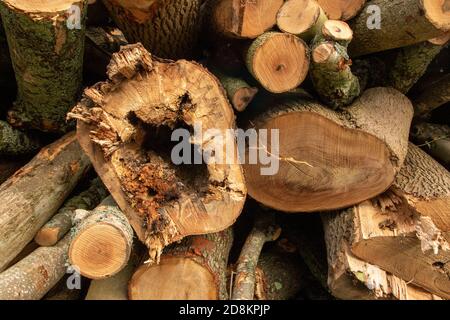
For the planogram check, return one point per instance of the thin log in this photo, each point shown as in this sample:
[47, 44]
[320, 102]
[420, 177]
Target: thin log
[46, 42]
[436, 94]
[35, 192]
[57, 227]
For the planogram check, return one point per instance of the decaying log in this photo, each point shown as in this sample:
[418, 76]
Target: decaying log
[14, 142]
[194, 269]
[350, 278]
[279, 61]
[435, 140]
[64, 219]
[35, 192]
[330, 159]
[264, 230]
[436, 94]
[401, 23]
[330, 68]
[46, 42]
[303, 18]
[120, 124]
[167, 28]
[101, 246]
[406, 230]
[244, 18]
[280, 275]
[341, 9]
[115, 287]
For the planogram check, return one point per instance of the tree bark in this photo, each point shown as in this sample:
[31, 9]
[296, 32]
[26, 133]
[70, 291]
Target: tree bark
[125, 133]
[341, 9]
[304, 18]
[202, 260]
[435, 140]
[46, 43]
[243, 19]
[102, 244]
[167, 28]
[279, 61]
[433, 96]
[35, 192]
[327, 159]
[65, 218]
[14, 142]
[263, 231]
[404, 231]
[330, 68]
[403, 23]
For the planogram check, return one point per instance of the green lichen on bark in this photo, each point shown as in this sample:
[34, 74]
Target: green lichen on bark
[14, 142]
[47, 58]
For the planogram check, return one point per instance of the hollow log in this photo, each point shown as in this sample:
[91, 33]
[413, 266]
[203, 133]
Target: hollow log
[244, 19]
[402, 23]
[304, 18]
[341, 9]
[65, 218]
[14, 142]
[279, 61]
[435, 140]
[436, 94]
[167, 28]
[24, 208]
[102, 244]
[194, 269]
[406, 230]
[328, 159]
[330, 73]
[123, 127]
[264, 230]
[46, 42]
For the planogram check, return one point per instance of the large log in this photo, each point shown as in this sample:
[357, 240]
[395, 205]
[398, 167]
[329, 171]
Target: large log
[46, 42]
[167, 28]
[194, 269]
[243, 18]
[65, 218]
[102, 243]
[279, 61]
[403, 23]
[406, 230]
[35, 192]
[329, 159]
[124, 126]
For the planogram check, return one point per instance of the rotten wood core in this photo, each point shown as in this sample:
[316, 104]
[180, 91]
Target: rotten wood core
[125, 126]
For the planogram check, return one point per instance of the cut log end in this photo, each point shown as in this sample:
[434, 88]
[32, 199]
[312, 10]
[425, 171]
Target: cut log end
[41, 6]
[279, 61]
[341, 9]
[337, 30]
[323, 52]
[175, 279]
[438, 12]
[297, 16]
[48, 236]
[243, 97]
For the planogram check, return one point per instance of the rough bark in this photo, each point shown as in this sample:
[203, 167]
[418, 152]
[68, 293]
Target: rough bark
[304, 18]
[202, 260]
[14, 142]
[46, 42]
[403, 23]
[65, 218]
[406, 230]
[436, 94]
[35, 192]
[341, 9]
[124, 127]
[329, 159]
[101, 246]
[264, 230]
[330, 73]
[279, 61]
[434, 139]
[167, 28]
[243, 18]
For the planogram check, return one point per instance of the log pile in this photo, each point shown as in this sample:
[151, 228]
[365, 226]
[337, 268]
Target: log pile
[224, 149]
